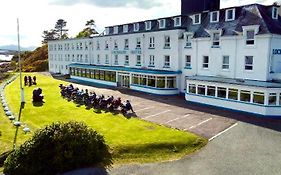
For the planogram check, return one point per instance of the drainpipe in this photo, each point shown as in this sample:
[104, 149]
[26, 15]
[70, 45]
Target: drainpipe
[235, 58]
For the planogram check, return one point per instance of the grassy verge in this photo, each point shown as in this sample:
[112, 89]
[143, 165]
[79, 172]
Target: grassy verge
[131, 140]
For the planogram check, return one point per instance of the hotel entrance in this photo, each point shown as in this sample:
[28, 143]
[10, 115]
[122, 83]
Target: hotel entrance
[124, 80]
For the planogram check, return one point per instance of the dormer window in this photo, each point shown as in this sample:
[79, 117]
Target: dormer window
[214, 17]
[177, 21]
[125, 28]
[249, 33]
[230, 15]
[162, 23]
[107, 31]
[197, 19]
[216, 40]
[274, 13]
[148, 25]
[136, 27]
[115, 30]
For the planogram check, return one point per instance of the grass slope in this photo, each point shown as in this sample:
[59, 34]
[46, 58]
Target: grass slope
[131, 140]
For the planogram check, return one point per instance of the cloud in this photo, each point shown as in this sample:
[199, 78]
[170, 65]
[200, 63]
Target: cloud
[143, 4]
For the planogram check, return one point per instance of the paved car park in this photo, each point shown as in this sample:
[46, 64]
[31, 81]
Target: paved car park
[172, 111]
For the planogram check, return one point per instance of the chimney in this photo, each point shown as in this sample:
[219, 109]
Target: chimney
[196, 6]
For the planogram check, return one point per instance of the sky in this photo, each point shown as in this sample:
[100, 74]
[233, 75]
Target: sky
[35, 16]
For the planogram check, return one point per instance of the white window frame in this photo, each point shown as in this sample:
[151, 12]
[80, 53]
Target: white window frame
[233, 14]
[115, 29]
[116, 61]
[106, 45]
[216, 43]
[152, 42]
[126, 44]
[188, 62]
[106, 59]
[127, 60]
[199, 19]
[125, 28]
[151, 61]
[162, 23]
[115, 45]
[246, 29]
[136, 27]
[167, 63]
[138, 60]
[98, 45]
[212, 15]
[167, 42]
[148, 25]
[205, 65]
[224, 65]
[138, 43]
[249, 64]
[177, 21]
[275, 12]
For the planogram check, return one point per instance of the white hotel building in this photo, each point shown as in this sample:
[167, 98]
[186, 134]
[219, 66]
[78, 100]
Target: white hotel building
[230, 58]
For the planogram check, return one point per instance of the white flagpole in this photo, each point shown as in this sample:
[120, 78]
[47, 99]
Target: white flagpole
[21, 88]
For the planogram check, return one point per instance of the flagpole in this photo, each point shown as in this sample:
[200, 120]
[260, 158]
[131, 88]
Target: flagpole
[21, 88]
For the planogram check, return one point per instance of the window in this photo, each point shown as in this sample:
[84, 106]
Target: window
[98, 45]
[160, 82]
[205, 62]
[116, 59]
[250, 37]
[115, 45]
[151, 60]
[258, 97]
[274, 13]
[147, 25]
[225, 62]
[167, 42]
[125, 28]
[126, 60]
[126, 44]
[138, 60]
[249, 62]
[192, 88]
[214, 17]
[280, 99]
[188, 41]
[216, 39]
[221, 92]
[136, 79]
[115, 30]
[106, 44]
[211, 91]
[201, 89]
[138, 45]
[151, 81]
[136, 27]
[106, 59]
[245, 96]
[171, 82]
[162, 23]
[177, 21]
[197, 19]
[166, 61]
[272, 99]
[230, 14]
[187, 61]
[107, 31]
[98, 59]
[233, 94]
[151, 42]
[143, 80]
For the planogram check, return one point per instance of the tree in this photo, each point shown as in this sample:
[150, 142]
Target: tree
[59, 148]
[60, 29]
[49, 35]
[89, 31]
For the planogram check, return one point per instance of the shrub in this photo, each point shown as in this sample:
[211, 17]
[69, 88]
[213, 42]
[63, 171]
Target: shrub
[59, 148]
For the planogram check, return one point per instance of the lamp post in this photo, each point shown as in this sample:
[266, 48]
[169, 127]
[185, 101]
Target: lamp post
[21, 88]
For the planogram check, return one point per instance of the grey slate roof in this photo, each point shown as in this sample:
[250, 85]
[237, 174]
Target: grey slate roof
[253, 14]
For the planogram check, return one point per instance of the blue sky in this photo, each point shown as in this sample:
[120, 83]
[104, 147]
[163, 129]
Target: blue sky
[38, 15]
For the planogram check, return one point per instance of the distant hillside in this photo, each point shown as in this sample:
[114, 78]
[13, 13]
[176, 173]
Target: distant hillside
[35, 61]
[15, 47]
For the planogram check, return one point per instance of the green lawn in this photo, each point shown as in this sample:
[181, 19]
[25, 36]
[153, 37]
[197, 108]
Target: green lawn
[131, 140]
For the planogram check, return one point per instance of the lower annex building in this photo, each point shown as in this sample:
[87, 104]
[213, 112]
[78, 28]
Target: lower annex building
[229, 58]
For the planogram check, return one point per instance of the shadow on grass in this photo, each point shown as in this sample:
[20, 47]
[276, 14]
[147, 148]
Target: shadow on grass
[17, 127]
[38, 104]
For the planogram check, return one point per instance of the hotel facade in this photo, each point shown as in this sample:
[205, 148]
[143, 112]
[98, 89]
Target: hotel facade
[230, 58]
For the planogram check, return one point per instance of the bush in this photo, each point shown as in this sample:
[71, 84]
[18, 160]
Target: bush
[59, 148]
